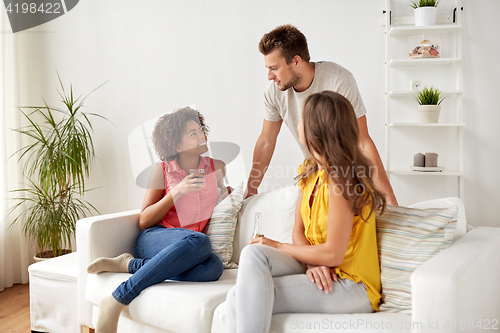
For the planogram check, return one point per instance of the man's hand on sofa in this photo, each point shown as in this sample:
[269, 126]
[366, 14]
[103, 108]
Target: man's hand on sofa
[250, 192]
[323, 277]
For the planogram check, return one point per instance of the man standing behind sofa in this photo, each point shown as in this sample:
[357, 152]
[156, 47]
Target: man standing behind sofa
[295, 78]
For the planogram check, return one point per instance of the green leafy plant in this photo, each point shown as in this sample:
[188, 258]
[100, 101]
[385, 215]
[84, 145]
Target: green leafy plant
[429, 96]
[57, 161]
[423, 3]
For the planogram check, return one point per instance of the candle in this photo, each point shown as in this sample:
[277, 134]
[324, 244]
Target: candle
[431, 160]
[419, 160]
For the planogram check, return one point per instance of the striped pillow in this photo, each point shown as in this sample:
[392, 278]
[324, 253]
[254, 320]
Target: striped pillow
[222, 226]
[408, 237]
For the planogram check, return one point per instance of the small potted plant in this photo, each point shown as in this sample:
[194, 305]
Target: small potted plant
[429, 100]
[57, 157]
[425, 11]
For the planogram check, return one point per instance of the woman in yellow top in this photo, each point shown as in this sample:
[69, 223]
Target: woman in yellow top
[332, 265]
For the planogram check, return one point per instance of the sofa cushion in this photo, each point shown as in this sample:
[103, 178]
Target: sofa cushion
[223, 224]
[461, 228]
[408, 237]
[323, 323]
[182, 307]
[278, 216]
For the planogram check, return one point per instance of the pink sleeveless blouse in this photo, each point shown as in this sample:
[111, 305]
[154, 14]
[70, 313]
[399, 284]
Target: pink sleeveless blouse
[192, 210]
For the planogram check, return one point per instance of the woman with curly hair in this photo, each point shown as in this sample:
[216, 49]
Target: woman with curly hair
[176, 208]
[332, 265]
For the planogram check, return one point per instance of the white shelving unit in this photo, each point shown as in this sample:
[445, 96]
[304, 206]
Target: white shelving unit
[398, 29]
[424, 62]
[406, 94]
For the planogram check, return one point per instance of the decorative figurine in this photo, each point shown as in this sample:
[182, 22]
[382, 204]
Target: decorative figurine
[426, 49]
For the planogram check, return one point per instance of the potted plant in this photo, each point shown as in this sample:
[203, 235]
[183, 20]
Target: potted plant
[430, 104]
[57, 159]
[425, 11]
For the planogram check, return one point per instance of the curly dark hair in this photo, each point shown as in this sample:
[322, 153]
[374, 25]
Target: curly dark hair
[169, 129]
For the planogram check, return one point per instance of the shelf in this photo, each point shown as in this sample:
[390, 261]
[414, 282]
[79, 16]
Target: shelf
[399, 68]
[424, 62]
[411, 93]
[440, 29]
[426, 124]
[407, 21]
[409, 172]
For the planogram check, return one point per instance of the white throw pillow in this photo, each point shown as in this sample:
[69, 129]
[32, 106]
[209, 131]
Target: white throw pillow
[278, 216]
[222, 226]
[408, 237]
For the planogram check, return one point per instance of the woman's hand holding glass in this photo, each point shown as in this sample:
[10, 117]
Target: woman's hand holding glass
[192, 182]
[323, 277]
[265, 241]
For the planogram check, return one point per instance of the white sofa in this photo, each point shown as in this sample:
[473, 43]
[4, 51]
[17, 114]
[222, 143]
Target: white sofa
[458, 285]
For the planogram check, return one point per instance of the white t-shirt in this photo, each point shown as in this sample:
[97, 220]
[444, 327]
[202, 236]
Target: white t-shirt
[287, 105]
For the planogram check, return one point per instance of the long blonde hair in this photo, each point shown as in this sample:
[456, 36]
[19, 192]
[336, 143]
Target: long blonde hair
[331, 131]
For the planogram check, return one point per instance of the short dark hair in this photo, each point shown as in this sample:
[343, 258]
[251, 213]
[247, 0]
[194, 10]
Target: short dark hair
[169, 129]
[289, 40]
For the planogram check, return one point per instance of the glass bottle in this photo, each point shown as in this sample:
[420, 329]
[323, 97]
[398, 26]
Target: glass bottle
[257, 229]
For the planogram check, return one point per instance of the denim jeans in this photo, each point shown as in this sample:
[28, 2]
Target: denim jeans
[270, 281]
[168, 253]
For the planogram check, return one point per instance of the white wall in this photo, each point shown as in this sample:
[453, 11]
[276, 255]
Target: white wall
[159, 55]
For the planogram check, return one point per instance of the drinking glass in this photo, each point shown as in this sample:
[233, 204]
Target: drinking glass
[198, 172]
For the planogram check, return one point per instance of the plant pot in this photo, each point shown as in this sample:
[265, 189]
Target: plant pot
[429, 113]
[425, 16]
[45, 255]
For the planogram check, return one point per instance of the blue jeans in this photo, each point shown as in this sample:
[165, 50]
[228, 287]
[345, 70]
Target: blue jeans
[169, 253]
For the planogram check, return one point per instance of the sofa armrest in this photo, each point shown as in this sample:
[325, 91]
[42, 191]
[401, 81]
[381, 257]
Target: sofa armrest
[102, 236]
[457, 289]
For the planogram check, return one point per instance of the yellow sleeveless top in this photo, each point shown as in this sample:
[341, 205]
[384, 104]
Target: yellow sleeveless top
[361, 258]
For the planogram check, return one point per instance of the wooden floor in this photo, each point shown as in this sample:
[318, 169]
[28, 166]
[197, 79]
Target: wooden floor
[15, 309]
